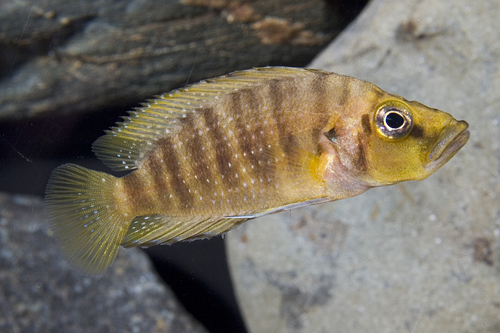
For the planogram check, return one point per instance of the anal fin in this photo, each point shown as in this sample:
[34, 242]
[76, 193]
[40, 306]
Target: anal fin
[152, 230]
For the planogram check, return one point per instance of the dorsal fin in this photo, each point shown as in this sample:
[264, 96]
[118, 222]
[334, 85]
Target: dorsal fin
[125, 146]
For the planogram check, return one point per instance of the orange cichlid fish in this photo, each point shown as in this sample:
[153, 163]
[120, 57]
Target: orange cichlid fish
[207, 157]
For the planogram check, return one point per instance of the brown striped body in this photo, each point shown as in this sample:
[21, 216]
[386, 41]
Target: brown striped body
[210, 156]
[236, 157]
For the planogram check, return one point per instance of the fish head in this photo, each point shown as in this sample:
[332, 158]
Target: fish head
[390, 139]
[411, 141]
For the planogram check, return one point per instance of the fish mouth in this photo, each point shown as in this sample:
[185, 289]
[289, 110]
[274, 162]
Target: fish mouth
[453, 137]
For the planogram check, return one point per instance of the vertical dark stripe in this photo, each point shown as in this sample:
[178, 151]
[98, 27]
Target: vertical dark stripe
[365, 123]
[244, 125]
[133, 188]
[253, 138]
[171, 160]
[345, 92]
[360, 160]
[286, 138]
[156, 170]
[253, 100]
[319, 93]
[322, 109]
[222, 151]
[193, 142]
[316, 133]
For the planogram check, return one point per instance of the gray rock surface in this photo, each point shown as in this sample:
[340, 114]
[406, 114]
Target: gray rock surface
[40, 292]
[416, 257]
[62, 56]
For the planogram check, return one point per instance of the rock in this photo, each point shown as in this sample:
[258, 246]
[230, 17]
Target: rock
[61, 57]
[40, 292]
[416, 257]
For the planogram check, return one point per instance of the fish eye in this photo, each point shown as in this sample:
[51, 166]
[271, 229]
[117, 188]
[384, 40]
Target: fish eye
[394, 121]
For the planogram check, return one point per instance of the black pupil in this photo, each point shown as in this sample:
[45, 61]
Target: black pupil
[394, 120]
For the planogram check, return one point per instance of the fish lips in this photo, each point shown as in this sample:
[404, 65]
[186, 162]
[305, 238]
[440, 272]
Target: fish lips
[453, 137]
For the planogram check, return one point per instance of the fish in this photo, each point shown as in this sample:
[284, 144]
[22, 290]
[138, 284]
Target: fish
[203, 159]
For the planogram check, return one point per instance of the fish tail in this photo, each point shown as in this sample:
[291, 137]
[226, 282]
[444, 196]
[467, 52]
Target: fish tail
[84, 217]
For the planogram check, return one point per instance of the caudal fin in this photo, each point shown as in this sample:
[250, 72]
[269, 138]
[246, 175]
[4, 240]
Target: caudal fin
[84, 217]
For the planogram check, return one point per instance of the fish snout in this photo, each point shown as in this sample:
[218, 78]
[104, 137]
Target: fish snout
[451, 139]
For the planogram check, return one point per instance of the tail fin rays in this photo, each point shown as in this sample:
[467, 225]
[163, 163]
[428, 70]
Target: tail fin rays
[84, 217]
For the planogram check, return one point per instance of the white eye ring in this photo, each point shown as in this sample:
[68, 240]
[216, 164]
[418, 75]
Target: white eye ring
[394, 122]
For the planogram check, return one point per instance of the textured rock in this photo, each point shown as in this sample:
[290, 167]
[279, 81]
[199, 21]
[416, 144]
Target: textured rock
[40, 292]
[65, 57]
[416, 257]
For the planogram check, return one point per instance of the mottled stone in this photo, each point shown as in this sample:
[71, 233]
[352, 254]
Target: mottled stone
[415, 257]
[41, 292]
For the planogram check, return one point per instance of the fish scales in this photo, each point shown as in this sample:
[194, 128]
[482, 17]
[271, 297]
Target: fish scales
[250, 132]
[207, 157]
